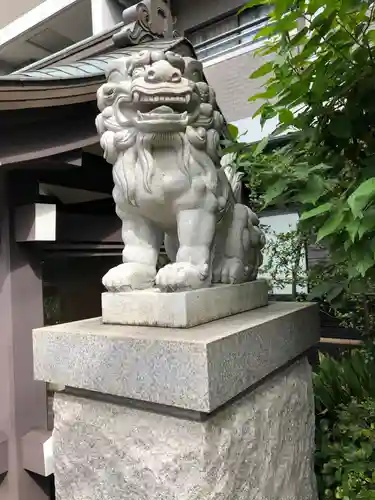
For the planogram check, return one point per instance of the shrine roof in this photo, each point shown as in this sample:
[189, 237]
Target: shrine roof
[92, 67]
[49, 108]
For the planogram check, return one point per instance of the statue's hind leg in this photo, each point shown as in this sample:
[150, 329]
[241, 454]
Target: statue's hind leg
[171, 245]
[230, 263]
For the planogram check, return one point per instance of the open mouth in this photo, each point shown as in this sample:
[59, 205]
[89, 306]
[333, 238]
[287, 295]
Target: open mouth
[157, 105]
[162, 113]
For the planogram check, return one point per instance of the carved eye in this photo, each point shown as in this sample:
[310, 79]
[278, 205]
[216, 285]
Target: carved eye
[138, 71]
[176, 77]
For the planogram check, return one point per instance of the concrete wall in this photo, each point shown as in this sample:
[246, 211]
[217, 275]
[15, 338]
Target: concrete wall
[229, 75]
[188, 15]
[230, 79]
[16, 8]
[105, 15]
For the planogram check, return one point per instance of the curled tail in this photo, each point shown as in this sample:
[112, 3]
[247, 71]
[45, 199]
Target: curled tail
[234, 179]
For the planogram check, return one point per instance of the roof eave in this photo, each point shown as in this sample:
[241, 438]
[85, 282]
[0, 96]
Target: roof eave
[73, 82]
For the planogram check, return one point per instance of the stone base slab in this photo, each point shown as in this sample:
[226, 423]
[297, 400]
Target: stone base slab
[258, 448]
[182, 309]
[198, 369]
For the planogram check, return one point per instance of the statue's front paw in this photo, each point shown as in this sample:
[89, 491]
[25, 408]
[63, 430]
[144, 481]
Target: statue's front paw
[182, 276]
[129, 276]
[230, 270]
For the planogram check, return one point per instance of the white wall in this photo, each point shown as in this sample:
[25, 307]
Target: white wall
[282, 223]
[252, 130]
[105, 15]
[46, 10]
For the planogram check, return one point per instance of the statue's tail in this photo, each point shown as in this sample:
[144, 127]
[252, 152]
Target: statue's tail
[234, 179]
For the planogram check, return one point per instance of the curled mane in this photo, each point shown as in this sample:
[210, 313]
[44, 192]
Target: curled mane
[132, 151]
[145, 147]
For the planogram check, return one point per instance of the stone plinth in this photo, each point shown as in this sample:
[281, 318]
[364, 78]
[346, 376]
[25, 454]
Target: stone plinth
[182, 309]
[198, 369]
[258, 448]
[222, 410]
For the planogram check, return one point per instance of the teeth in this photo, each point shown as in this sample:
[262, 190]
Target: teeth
[161, 98]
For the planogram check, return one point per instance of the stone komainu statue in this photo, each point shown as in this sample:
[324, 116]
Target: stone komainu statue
[160, 129]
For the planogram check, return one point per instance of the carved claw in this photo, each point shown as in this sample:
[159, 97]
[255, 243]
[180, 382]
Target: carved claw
[230, 270]
[129, 276]
[182, 276]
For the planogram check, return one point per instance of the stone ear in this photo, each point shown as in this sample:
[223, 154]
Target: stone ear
[193, 70]
[176, 61]
[117, 71]
[121, 111]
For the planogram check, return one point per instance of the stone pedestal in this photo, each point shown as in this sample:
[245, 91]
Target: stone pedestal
[221, 410]
[182, 309]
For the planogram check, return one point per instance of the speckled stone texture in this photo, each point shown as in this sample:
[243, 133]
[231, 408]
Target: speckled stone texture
[183, 309]
[199, 368]
[259, 447]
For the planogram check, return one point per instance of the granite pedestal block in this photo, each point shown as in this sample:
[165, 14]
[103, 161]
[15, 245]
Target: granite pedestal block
[258, 448]
[222, 410]
[182, 309]
[197, 369]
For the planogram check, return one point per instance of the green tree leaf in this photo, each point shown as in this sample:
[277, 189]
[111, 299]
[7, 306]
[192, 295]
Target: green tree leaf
[275, 190]
[321, 209]
[265, 32]
[331, 225]
[260, 146]
[282, 6]
[263, 70]
[299, 36]
[319, 290]
[286, 116]
[233, 131]
[334, 292]
[313, 190]
[364, 264]
[253, 3]
[359, 199]
[352, 228]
